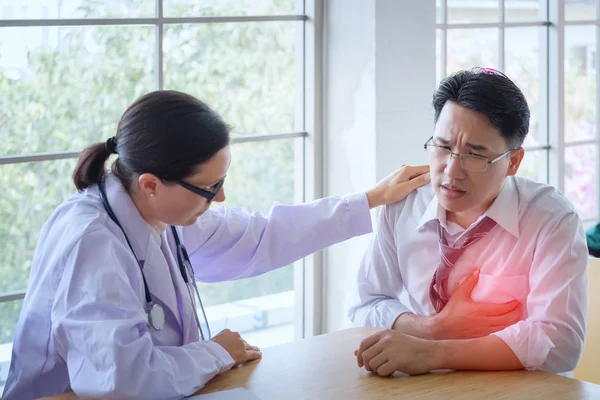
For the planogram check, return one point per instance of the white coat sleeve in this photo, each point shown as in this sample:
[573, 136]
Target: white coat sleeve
[99, 329]
[231, 243]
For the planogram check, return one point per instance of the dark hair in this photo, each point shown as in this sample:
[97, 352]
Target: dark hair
[166, 133]
[490, 93]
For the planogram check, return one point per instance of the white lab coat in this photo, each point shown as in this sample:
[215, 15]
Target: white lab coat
[83, 325]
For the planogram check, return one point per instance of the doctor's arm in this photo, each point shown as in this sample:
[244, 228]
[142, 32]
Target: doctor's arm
[231, 243]
[100, 329]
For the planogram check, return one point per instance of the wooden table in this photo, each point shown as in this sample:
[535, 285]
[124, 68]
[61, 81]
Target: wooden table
[324, 367]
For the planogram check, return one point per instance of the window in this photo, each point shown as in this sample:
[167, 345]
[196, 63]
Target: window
[548, 47]
[590, 60]
[76, 67]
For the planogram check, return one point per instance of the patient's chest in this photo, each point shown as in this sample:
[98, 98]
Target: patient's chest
[503, 260]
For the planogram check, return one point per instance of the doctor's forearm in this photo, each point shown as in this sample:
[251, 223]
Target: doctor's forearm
[488, 353]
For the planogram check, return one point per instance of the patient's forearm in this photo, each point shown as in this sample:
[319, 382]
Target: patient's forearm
[415, 325]
[488, 353]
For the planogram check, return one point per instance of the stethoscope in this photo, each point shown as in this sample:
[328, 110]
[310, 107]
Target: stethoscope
[155, 312]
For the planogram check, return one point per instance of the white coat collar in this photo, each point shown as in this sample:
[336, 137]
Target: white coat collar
[136, 229]
[158, 271]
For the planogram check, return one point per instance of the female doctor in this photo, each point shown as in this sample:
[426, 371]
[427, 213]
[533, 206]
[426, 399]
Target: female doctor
[109, 310]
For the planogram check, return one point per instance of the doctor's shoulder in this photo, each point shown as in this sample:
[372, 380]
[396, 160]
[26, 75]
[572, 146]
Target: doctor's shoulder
[73, 219]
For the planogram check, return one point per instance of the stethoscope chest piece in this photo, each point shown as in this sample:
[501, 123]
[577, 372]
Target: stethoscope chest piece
[156, 316]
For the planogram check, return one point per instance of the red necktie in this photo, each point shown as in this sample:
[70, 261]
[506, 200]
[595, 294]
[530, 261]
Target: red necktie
[448, 254]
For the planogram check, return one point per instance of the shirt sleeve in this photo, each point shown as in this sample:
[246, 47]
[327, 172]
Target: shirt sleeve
[551, 337]
[232, 243]
[379, 280]
[99, 327]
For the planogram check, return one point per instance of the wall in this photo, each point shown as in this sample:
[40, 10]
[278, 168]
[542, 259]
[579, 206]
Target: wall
[378, 81]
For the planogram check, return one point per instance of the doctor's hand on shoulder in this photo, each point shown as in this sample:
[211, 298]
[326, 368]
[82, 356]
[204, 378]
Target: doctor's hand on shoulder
[390, 190]
[398, 185]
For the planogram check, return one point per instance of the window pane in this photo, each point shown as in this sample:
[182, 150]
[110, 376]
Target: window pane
[439, 70]
[200, 8]
[66, 87]
[519, 10]
[52, 9]
[9, 315]
[522, 65]
[580, 10]
[469, 48]
[580, 82]
[246, 71]
[438, 11]
[463, 11]
[534, 165]
[28, 195]
[580, 179]
[260, 174]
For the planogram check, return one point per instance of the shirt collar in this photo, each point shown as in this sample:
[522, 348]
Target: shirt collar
[504, 210]
[433, 212]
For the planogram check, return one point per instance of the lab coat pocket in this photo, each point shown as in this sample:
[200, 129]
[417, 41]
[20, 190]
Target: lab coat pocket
[500, 289]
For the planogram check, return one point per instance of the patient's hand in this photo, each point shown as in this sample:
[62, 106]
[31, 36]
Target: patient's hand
[398, 185]
[462, 318]
[388, 351]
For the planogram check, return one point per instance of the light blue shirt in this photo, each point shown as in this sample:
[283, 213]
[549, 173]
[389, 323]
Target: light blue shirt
[83, 325]
[536, 254]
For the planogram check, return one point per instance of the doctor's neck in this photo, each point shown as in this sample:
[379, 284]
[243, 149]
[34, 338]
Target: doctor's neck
[141, 201]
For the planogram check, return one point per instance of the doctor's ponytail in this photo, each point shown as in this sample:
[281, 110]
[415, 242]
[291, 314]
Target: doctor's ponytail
[166, 133]
[90, 167]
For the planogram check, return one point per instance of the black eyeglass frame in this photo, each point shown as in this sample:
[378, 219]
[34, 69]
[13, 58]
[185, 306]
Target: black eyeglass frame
[207, 194]
[461, 157]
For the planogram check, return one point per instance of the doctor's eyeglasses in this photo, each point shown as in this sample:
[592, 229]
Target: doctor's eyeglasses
[208, 193]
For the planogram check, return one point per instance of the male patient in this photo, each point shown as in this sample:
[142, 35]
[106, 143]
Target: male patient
[491, 266]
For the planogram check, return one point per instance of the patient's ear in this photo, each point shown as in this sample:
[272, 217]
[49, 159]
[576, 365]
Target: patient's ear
[516, 156]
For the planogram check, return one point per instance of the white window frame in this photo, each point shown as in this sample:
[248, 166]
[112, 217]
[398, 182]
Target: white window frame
[551, 96]
[308, 175]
